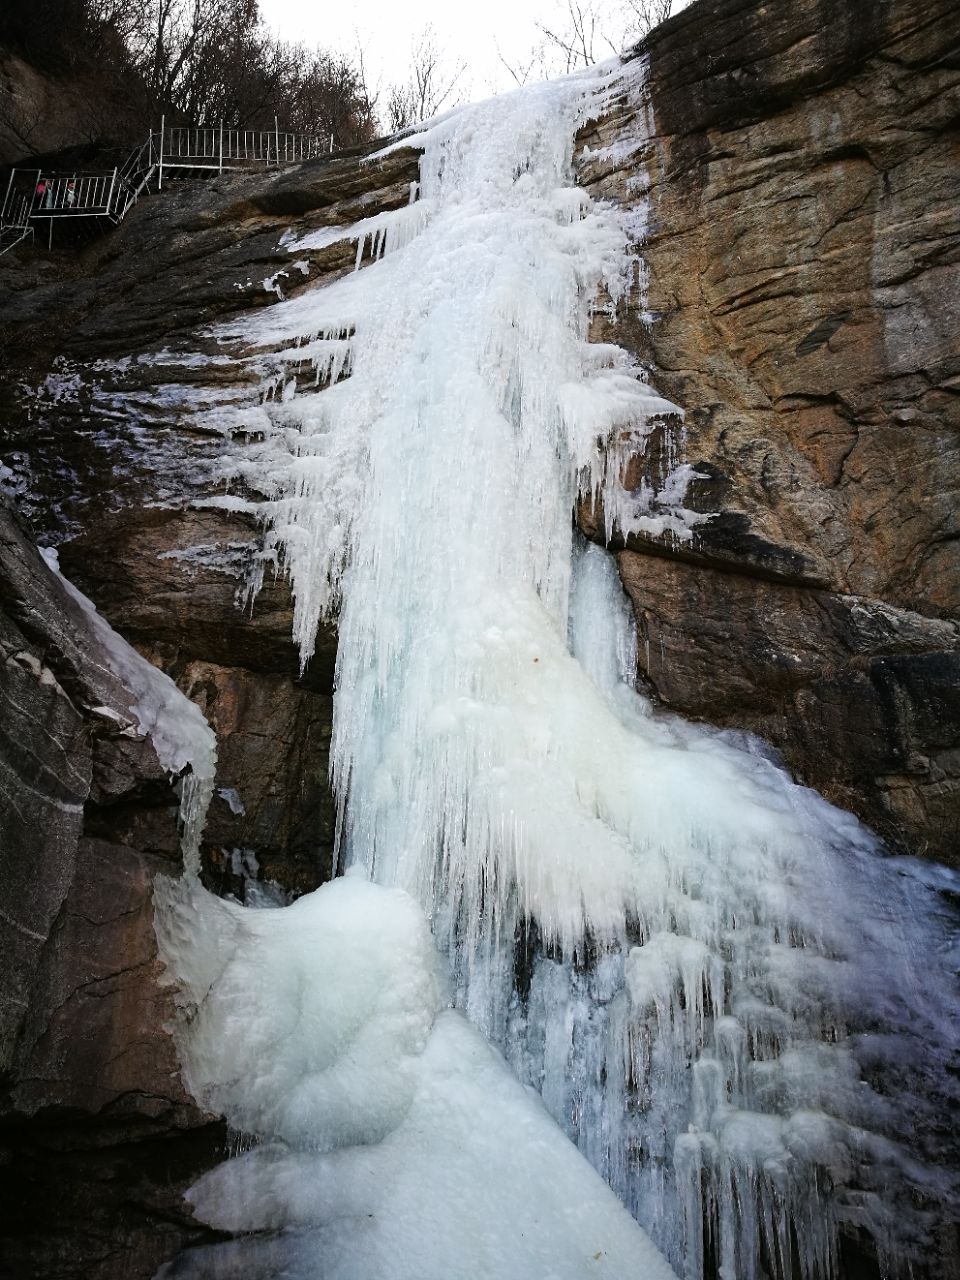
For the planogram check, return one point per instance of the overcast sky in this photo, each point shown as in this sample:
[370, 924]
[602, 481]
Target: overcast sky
[468, 33]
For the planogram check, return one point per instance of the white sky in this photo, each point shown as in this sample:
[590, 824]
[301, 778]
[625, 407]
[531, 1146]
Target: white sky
[465, 32]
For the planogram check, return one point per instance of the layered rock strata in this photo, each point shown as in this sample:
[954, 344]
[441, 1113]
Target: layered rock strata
[802, 275]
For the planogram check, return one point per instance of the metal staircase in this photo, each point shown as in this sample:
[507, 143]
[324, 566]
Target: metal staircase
[133, 176]
[33, 195]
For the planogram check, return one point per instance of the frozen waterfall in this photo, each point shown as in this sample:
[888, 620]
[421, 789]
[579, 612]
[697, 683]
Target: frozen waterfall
[735, 1007]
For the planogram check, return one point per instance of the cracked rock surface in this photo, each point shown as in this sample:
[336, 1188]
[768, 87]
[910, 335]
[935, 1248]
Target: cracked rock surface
[803, 254]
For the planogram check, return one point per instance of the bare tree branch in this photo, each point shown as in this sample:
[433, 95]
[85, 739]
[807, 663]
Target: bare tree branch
[428, 88]
[582, 26]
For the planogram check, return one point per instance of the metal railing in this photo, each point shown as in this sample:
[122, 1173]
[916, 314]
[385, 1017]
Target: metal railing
[33, 195]
[91, 194]
[16, 208]
[15, 221]
[220, 148]
[136, 172]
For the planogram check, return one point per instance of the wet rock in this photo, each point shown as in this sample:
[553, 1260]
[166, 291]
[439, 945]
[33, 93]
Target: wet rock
[176, 581]
[272, 806]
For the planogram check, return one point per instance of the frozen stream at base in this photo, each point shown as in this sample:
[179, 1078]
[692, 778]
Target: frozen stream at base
[737, 1009]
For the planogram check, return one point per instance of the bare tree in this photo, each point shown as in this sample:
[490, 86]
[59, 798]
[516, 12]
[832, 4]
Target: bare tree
[576, 36]
[369, 96]
[198, 62]
[649, 13]
[584, 31]
[430, 86]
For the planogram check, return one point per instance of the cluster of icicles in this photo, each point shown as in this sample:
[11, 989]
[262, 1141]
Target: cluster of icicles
[735, 1007]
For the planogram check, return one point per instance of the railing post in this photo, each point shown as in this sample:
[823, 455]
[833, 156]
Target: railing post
[7, 196]
[276, 129]
[221, 144]
[110, 192]
[160, 177]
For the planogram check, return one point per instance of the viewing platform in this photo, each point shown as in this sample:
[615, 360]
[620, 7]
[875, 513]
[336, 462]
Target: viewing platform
[36, 195]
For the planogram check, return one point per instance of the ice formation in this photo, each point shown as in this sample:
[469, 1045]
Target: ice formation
[393, 1141]
[731, 1002]
[184, 742]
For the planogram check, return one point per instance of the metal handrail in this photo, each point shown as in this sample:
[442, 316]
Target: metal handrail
[135, 174]
[108, 193]
[90, 193]
[15, 220]
[16, 211]
[33, 194]
[220, 148]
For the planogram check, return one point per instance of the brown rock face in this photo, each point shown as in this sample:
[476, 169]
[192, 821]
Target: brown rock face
[858, 694]
[275, 804]
[98, 1138]
[804, 276]
[173, 579]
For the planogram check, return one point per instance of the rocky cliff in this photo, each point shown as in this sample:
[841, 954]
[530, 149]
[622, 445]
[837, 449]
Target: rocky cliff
[98, 1135]
[804, 262]
[41, 115]
[803, 250]
[104, 458]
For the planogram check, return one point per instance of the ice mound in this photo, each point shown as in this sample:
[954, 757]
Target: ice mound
[392, 1140]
